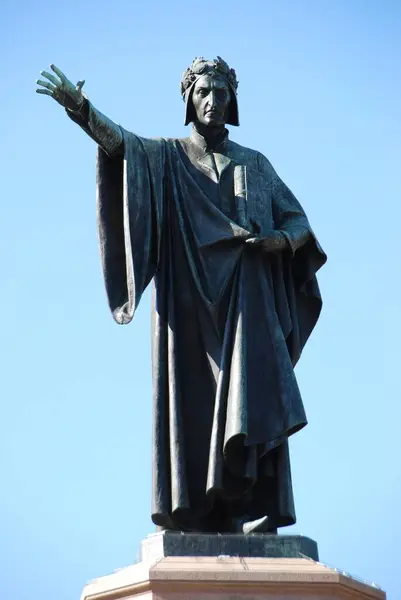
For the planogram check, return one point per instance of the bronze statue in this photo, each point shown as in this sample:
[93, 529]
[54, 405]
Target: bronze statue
[234, 260]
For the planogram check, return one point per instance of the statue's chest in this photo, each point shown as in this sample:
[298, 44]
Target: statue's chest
[235, 186]
[239, 191]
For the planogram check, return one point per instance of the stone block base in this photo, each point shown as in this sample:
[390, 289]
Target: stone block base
[229, 578]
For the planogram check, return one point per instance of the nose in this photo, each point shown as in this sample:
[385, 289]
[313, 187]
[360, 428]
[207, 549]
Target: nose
[212, 99]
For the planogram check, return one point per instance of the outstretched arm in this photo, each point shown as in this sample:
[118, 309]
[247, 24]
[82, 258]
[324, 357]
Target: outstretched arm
[100, 128]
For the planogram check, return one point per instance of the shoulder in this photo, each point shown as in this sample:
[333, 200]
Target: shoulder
[242, 154]
[186, 142]
[252, 158]
[151, 142]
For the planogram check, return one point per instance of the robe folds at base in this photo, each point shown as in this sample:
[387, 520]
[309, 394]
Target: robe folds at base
[229, 322]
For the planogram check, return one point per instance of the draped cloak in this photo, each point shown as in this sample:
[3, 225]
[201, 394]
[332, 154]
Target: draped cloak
[229, 322]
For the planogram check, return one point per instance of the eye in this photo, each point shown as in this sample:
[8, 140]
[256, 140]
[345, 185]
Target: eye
[202, 92]
[221, 94]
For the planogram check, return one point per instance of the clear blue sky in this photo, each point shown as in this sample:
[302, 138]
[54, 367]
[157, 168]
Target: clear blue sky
[320, 96]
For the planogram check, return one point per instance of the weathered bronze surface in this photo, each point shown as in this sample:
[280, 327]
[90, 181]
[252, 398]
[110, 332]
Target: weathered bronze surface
[234, 260]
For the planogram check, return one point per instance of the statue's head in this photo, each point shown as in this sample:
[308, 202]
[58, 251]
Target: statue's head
[209, 90]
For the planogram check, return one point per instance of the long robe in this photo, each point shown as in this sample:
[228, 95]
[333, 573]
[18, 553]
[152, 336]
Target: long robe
[229, 322]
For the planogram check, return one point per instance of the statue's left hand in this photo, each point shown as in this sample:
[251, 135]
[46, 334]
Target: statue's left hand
[274, 241]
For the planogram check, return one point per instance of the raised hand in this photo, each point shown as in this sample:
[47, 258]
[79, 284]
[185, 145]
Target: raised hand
[61, 89]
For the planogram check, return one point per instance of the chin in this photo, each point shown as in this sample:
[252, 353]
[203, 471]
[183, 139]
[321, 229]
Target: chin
[214, 123]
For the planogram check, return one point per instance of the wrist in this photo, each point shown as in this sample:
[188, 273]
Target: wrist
[275, 241]
[78, 104]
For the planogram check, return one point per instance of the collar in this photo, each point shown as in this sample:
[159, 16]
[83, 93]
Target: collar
[218, 145]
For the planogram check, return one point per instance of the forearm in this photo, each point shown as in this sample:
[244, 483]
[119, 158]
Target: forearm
[100, 128]
[289, 217]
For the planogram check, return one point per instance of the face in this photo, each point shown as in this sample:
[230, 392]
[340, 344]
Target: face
[211, 98]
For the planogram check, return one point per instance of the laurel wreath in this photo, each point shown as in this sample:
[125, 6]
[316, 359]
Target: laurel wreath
[201, 66]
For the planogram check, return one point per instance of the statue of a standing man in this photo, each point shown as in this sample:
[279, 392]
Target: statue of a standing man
[233, 259]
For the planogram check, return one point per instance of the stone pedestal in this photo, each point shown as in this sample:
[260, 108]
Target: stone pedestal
[257, 545]
[250, 568]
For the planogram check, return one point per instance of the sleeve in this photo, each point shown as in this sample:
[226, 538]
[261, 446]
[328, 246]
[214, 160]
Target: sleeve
[298, 299]
[288, 214]
[130, 191]
[101, 129]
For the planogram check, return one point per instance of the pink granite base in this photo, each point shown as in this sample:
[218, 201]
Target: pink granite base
[230, 578]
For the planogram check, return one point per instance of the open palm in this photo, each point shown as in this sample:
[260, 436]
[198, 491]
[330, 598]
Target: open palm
[61, 89]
